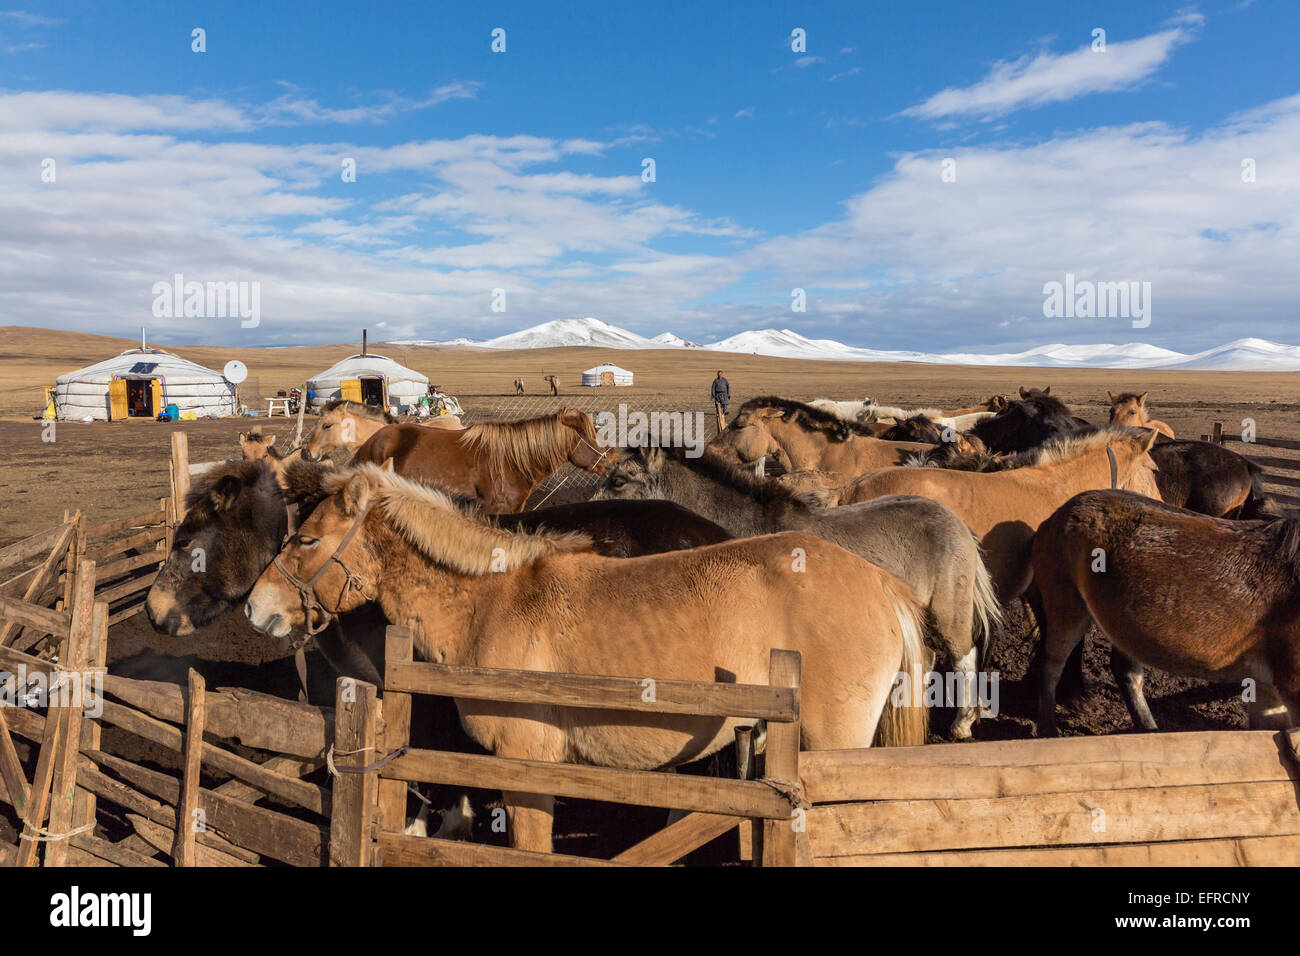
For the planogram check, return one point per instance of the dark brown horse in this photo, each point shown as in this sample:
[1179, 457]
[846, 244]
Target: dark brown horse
[1193, 595]
[497, 463]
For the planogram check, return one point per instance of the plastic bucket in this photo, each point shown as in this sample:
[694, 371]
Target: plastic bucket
[173, 411]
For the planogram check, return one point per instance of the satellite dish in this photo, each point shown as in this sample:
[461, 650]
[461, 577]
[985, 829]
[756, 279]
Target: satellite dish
[235, 371]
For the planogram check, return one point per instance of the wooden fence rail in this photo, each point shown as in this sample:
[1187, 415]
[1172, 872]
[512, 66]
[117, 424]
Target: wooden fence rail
[1284, 472]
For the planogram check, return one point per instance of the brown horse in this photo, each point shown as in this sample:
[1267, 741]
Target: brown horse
[1130, 408]
[344, 424]
[497, 463]
[803, 438]
[479, 596]
[1004, 507]
[1193, 595]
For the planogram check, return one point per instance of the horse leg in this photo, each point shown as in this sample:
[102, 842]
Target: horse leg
[1267, 711]
[529, 818]
[967, 702]
[1128, 675]
[1072, 686]
[1065, 620]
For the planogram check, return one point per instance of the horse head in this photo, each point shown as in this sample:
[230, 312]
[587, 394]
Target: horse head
[234, 522]
[587, 452]
[748, 438]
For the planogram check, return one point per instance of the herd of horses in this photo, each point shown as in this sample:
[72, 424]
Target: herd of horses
[892, 544]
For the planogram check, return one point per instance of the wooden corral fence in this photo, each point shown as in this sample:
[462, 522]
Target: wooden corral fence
[1283, 472]
[370, 803]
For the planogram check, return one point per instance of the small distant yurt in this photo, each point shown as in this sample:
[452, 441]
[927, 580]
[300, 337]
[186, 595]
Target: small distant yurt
[141, 383]
[607, 375]
[370, 379]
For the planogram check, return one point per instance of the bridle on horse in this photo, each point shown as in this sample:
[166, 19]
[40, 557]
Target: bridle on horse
[307, 589]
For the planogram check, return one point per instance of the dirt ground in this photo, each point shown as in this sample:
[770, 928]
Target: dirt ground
[116, 469]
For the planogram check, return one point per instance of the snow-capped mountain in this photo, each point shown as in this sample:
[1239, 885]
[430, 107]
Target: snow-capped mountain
[1252, 355]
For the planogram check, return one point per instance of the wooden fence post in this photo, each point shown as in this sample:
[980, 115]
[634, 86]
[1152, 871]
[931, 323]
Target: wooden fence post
[356, 795]
[180, 471]
[54, 784]
[1217, 436]
[781, 766]
[302, 407]
[397, 732]
[183, 849]
[745, 771]
[84, 804]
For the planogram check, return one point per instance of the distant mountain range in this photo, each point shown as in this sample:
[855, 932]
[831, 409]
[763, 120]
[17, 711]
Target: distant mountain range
[1242, 355]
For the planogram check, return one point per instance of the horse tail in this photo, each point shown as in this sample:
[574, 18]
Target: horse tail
[988, 621]
[1256, 503]
[906, 724]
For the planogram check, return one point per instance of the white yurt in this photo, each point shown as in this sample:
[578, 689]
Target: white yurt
[368, 378]
[141, 383]
[607, 375]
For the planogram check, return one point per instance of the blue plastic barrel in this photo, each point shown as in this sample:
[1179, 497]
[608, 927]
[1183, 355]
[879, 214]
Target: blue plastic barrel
[173, 412]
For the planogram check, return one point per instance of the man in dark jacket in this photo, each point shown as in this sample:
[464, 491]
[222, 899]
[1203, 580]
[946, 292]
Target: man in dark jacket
[721, 399]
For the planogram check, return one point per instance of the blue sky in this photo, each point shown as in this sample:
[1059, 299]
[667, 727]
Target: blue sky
[775, 169]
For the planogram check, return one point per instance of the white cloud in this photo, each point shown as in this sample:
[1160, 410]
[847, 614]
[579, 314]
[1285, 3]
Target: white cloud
[1050, 77]
[746, 113]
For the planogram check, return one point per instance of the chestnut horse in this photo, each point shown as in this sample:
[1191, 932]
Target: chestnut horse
[475, 595]
[1130, 408]
[1193, 595]
[801, 438]
[497, 463]
[1004, 507]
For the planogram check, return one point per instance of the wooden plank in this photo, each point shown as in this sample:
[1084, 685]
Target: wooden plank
[398, 850]
[133, 586]
[116, 569]
[957, 771]
[284, 766]
[260, 721]
[750, 831]
[54, 758]
[701, 698]
[246, 828]
[1248, 851]
[84, 809]
[46, 574]
[1269, 442]
[1268, 461]
[160, 838]
[647, 788]
[678, 839]
[1155, 814]
[33, 615]
[781, 763]
[1292, 500]
[396, 731]
[127, 612]
[88, 616]
[356, 795]
[12, 555]
[112, 852]
[291, 790]
[102, 528]
[187, 808]
[11, 770]
[146, 540]
[1273, 478]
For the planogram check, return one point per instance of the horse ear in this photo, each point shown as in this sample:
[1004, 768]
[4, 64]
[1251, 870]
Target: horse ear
[1149, 436]
[355, 495]
[387, 465]
[225, 493]
[1024, 392]
[1111, 396]
[1142, 399]
[270, 441]
[1048, 390]
[243, 438]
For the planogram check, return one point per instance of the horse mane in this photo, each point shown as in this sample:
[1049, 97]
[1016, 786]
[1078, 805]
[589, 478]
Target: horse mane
[247, 472]
[533, 447]
[447, 532]
[1053, 450]
[303, 481]
[766, 491]
[807, 417]
[360, 410]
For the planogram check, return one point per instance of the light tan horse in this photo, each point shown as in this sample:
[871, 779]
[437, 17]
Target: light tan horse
[344, 424]
[1004, 508]
[256, 446]
[1130, 408]
[477, 595]
[803, 438]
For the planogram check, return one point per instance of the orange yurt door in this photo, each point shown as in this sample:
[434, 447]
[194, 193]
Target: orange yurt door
[606, 378]
[157, 396]
[350, 390]
[117, 403]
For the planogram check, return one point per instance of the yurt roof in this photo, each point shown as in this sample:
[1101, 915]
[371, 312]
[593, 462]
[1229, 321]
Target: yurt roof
[607, 367]
[368, 364]
[142, 363]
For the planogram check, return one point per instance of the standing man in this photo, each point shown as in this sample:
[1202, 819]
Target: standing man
[721, 399]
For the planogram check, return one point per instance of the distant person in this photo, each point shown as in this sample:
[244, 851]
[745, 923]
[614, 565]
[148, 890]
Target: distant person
[721, 393]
